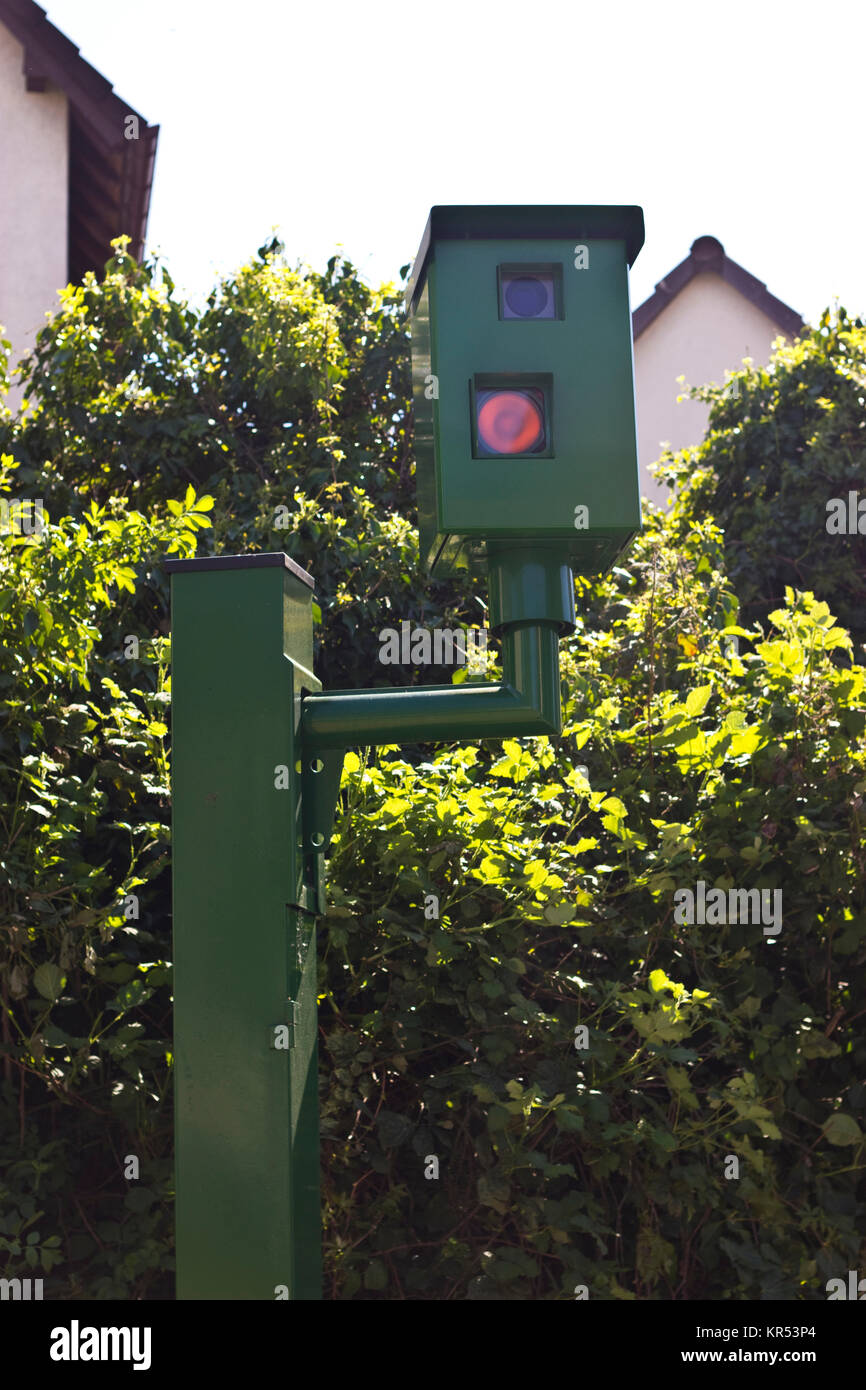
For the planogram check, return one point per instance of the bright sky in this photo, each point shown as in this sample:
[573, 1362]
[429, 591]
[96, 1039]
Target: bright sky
[342, 123]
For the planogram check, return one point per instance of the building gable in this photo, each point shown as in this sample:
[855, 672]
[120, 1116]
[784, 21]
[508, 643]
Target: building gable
[702, 320]
[110, 175]
[707, 257]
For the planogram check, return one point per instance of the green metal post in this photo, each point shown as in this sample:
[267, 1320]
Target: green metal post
[256, 758]
[247, 1142]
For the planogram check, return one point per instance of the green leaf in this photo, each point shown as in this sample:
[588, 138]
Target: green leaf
[49, 980]
[494, 1191]
[696, 700]
[557, 915]
[842, 1130]
[744, 743]
[393, 1129]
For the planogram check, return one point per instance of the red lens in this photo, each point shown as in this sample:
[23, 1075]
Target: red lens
[511, 422]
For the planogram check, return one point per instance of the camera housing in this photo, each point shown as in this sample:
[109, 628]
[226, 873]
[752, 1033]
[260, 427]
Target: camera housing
[523, 383]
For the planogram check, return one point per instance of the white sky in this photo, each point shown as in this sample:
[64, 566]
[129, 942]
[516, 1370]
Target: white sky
[342, 123]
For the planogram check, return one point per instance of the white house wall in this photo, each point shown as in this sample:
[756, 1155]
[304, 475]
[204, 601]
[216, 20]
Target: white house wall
[706, 329]
[34, 183]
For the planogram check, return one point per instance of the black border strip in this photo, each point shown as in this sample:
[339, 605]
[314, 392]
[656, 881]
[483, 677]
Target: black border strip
[241, 562]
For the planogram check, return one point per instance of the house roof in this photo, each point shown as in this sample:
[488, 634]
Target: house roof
[708, 254]
[110, 176]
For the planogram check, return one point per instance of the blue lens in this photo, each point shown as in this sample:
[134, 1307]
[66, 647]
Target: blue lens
[526, 296]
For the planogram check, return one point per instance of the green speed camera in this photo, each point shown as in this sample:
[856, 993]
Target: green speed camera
[527, 463]
[523, 383]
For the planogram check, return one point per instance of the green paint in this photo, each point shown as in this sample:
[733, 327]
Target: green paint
[247, 1160]
[258, 748]
[460, 343]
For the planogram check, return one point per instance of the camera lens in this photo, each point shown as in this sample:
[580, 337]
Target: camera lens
[510, 422]
[526, 296]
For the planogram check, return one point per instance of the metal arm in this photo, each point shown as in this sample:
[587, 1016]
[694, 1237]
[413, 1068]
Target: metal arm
[531, 604]
[526, 702]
